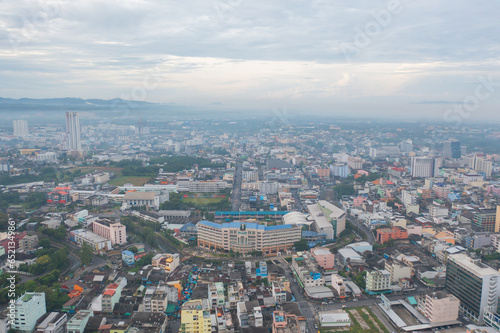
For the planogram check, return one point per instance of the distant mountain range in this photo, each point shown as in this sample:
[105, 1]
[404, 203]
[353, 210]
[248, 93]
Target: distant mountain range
[68, 104]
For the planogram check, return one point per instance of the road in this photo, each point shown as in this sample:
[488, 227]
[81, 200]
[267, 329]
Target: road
[236, 196]
[361, 227]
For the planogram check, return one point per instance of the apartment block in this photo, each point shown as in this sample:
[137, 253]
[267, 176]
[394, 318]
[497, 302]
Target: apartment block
[28, 309]
[324, 258]
[378, 280]
[440, 307]
[386, 234]
[114, 231]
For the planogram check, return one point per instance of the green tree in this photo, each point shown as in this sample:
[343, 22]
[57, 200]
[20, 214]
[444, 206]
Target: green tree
[301, 245]
[86, 254]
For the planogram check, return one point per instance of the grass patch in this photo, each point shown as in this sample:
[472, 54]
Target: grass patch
[203, 201]
[136, 181]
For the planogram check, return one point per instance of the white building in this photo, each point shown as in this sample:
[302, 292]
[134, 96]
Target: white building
[54, 322]
[20, 128]
[423, 167]
[79, 321]
[328, 218]
[378, 280]
[28, 309]
[73, 131]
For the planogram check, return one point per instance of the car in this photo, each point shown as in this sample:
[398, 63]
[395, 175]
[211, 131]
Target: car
[316, 326]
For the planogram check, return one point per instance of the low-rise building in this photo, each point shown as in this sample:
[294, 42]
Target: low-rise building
[378, 280]
[168, 262]
[398, 271]
[307, 272]
[324, 258]
[338, 285]
[53, 322]
[440, 307]
[79, 321]
[386, 234]
[216, 294]
[279, 292]
[285, 323]
[194, 319]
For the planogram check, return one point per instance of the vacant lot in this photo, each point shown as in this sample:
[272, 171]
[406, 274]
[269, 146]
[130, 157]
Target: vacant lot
[137, 181]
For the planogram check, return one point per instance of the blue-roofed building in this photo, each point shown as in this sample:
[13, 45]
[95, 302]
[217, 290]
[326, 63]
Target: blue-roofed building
[247, 237]
[128, 257]
[189, 231]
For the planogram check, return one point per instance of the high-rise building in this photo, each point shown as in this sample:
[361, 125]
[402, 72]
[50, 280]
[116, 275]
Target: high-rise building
[481, 165]
[423, 167]
[20, 128]
[73, 131]
[452, 149]
[29, 308]
[406, 146]
[476, 285]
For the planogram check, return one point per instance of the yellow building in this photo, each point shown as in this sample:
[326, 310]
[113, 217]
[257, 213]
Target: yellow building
[194, 319]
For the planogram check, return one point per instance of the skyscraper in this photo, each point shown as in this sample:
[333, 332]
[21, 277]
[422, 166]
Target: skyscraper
[452, 149]
[423, 167]
[476, 285]
[20, 128]
[73, 131]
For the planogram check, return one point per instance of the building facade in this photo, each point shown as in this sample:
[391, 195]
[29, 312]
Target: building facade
[476, 285]
[114, 231]
[28, 309]
[378, 280]
[245, 238]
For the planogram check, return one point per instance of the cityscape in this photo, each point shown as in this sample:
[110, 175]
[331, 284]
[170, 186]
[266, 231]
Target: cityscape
[245, 226]
[249, 167]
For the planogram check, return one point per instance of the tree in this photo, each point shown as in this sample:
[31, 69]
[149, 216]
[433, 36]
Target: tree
[301, 245]
[4, 221]
[133, 249]
[86, 254]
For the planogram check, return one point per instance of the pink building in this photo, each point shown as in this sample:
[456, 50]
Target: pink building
[114, 231]
[358, 201]
[324, 258]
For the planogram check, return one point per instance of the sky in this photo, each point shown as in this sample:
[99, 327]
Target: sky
[365, 58]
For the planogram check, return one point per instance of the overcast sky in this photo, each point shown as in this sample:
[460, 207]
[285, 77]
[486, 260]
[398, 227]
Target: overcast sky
[423, 58]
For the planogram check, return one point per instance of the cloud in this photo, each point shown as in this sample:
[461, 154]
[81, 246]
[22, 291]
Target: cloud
[254, 53]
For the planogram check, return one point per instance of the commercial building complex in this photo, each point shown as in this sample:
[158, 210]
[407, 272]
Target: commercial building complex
[244, 238]
[476, 285]
[328, 218]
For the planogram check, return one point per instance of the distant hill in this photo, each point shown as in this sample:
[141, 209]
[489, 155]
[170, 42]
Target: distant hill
[67, 104]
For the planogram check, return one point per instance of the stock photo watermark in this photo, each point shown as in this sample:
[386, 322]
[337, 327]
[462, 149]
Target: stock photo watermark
[222, 7]
[128, 101]
[364, 35]
[11, 264]
[460, 111]
[32, 25]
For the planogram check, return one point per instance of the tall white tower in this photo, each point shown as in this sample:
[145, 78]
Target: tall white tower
[20, 128]
[73, 131]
